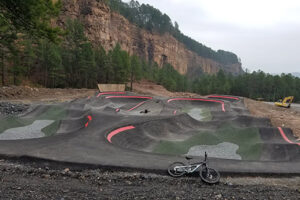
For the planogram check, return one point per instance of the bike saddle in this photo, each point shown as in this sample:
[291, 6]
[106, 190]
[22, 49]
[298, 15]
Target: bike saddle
[188, 157]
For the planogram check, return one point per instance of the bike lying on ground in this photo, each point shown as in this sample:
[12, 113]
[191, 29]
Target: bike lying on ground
[207, 174]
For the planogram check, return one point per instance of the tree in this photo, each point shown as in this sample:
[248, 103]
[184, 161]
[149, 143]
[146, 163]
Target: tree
[87, 65]
[176, 26]
[135, 70]
[102, 65]
[7, 36]
[19, 18]
[29, 58]
[120, 64]
[49, 62]
[32, 17]
[73, 59]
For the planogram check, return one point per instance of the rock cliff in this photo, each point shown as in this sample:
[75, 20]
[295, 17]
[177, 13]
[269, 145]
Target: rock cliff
[102, 26]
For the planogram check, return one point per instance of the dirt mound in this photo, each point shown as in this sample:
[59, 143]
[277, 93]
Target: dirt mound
[42, 94]
[150, 88]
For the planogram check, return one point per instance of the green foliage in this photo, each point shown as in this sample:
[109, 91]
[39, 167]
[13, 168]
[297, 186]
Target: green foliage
[20, 19]
[255, 85]
[32, 17]
[151, 19]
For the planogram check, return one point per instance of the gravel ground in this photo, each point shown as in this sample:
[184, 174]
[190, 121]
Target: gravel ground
[22, 181]
[7, 109]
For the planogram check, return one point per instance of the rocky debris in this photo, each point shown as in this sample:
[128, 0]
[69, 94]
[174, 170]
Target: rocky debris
[7, 108]
[26, 181]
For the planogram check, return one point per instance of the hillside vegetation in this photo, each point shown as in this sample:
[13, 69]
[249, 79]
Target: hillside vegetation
[32, 50]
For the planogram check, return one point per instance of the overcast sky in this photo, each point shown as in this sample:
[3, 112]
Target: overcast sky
[265, 34]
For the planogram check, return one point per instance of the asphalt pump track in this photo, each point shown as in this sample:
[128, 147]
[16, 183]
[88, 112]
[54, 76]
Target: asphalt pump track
[124, 130]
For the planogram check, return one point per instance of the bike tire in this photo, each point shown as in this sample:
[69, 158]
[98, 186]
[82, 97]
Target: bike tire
[173, 172]
[209, 175]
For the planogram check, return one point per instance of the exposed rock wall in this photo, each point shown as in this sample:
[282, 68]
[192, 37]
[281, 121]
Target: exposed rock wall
[108, 28]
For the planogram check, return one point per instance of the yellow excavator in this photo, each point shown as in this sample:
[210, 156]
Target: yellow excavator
[286, 102]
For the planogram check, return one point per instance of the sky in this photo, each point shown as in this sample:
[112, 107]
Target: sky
[265, 34]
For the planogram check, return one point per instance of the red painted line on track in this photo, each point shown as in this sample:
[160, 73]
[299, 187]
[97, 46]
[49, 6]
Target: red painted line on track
[128, 97]
[89, 119]
[119, 130]
[104, 93]
[138, 105]
[285, 137]
[193, 99]
[224, 97]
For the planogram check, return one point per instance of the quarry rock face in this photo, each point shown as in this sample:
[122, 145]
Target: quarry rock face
[102, 26]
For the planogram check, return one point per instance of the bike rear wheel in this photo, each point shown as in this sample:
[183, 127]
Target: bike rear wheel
[209, 175]
[176, 172]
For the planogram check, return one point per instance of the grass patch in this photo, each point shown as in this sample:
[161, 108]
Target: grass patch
[13, 122]
[204, 113]
[56, 113]
[248, 140]
[53, 113]
[51, 129]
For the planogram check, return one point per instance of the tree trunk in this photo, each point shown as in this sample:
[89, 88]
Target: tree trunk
[131, 80]
[86, 80]
[46, 74]
[15, 78]
[3, 70]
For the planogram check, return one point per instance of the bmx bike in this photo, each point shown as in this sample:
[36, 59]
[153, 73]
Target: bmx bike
[208, 175]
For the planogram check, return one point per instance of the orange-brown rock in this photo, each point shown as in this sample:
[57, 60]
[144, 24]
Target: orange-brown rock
[102, 26]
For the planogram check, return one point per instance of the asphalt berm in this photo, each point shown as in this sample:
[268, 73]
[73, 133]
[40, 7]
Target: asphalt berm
[112, 130]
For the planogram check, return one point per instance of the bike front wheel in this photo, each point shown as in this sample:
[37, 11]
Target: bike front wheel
[176, 169]
[209, 175]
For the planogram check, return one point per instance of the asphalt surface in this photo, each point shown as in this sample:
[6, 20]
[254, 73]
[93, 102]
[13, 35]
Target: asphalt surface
[125, 131]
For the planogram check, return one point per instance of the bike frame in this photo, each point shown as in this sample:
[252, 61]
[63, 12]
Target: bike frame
[190, 168]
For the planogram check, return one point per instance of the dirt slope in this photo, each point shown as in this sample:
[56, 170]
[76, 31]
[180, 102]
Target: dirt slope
[150, 88]
[282, 117]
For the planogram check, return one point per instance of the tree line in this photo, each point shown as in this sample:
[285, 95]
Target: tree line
[34, 51]
[151, 19]
[253, 85]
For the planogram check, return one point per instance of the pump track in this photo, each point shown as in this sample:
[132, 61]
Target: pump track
[124, 130]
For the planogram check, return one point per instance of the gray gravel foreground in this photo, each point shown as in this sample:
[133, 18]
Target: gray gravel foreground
[21, 181]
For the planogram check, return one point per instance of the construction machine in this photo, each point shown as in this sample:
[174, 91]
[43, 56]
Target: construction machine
[286, 102]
